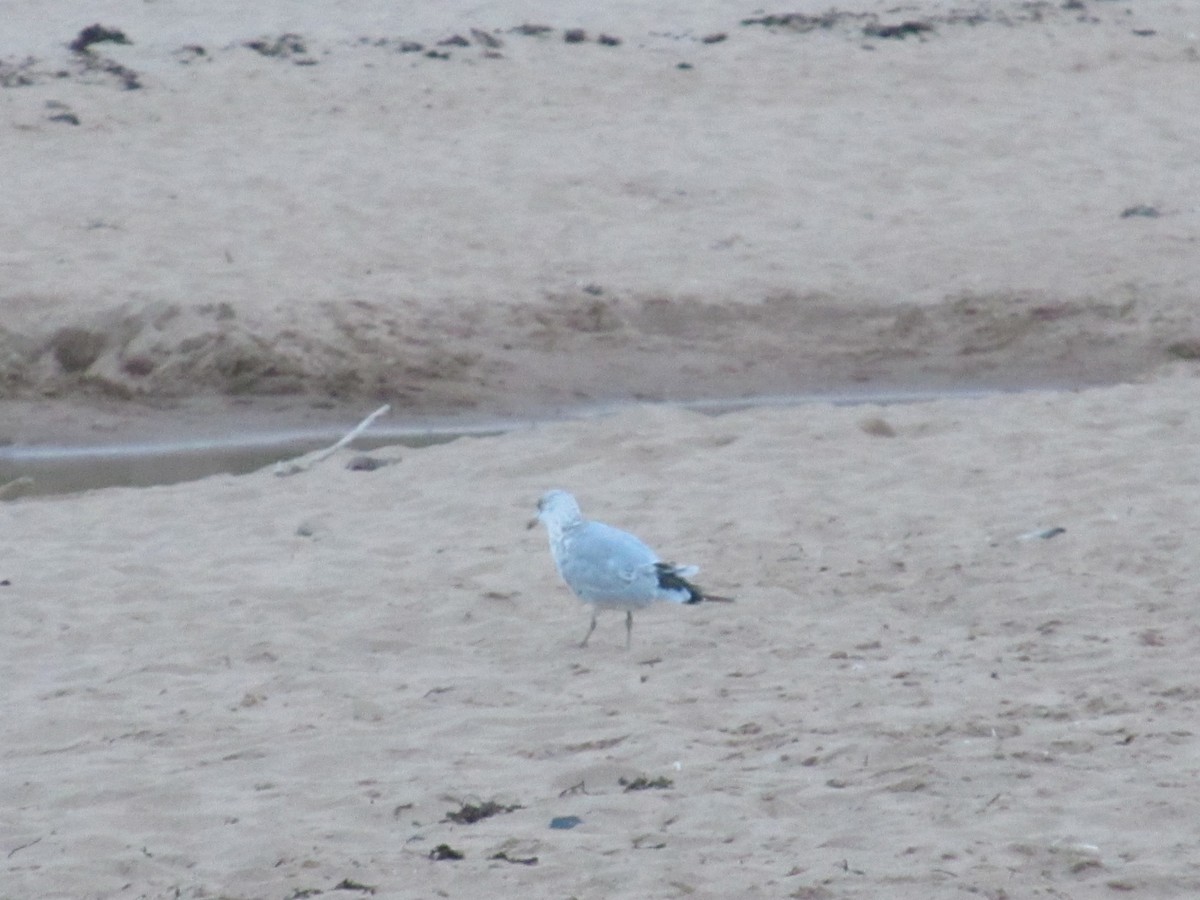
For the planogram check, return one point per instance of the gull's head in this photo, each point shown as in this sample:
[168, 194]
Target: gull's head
[558, 510]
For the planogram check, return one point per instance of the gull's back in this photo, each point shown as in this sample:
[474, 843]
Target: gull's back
[607, 566]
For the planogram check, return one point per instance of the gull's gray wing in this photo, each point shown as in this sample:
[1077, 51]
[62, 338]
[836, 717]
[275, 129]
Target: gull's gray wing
[601, 563]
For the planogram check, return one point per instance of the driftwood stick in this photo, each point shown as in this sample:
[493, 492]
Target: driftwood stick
[296, 466]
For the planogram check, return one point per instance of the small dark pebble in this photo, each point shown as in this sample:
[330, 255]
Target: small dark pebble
[437, 54]
[565, 823]
[714, 38]
[646, 842]
[683, 66]
[75, 349]
[1150, 212]
[518, 860]
[189, 52]
[877, 426]
[138, 366]
[1145, 32]
[5, 583]
[901, 31]
[129, 78]
[532, 30]
[68, 118]
[455, 40]
[445, 851]
[574, 35]
[1189, 348]
[642, 783]
[97, 34]
[365, 464]
[347, 885]
[486, 40]
[607, 40]
[1044, 534]
[285, 45]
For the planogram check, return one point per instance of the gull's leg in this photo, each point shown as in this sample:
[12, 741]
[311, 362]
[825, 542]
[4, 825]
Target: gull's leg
[583, 643]
[628, 628]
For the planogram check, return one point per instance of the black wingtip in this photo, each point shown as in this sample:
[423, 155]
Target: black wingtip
[670, 580]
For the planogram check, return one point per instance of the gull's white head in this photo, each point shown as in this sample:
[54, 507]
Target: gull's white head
[558, 510]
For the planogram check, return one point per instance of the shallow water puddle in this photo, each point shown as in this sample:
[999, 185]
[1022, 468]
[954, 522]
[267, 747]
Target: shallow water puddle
[41, 470]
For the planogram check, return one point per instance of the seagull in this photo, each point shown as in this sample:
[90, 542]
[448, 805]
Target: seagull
[610, 568]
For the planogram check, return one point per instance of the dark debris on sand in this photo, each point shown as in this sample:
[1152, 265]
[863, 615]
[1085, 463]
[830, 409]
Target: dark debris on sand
[91, 62]
[97, 34]
[516, 860]
[347, 884]
[642, 783]
[470, 813]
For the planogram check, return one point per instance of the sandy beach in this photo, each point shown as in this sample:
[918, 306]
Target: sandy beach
[958, 660]
[259, 686]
